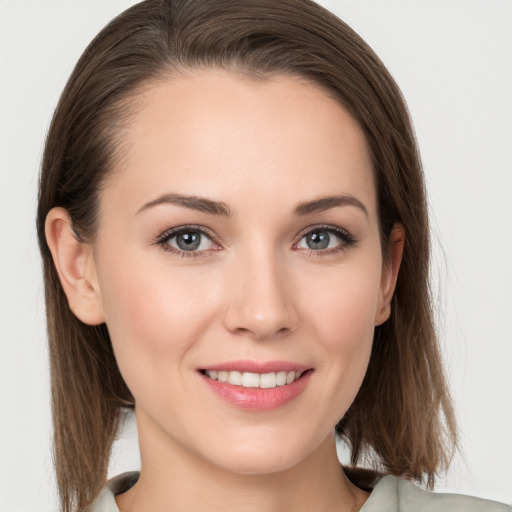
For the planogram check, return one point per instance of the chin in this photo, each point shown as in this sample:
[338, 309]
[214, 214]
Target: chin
[260, 458]
[259, 466]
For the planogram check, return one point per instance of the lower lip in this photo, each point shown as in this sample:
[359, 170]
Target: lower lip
[258, 399]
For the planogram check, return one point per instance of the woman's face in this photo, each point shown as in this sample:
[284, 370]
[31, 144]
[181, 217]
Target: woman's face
[239, 236]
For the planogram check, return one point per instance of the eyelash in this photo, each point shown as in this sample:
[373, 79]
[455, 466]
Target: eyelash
[171, 233]
[347, 240]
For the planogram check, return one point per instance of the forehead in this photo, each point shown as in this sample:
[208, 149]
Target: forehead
[215, 134]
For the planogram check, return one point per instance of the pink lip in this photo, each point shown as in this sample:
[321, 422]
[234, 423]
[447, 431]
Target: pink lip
[258, 367]
[257, 399]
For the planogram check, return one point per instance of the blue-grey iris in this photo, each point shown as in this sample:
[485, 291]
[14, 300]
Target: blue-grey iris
[188, 241]
[318, 239]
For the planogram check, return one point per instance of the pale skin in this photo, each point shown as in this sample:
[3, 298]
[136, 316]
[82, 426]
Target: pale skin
[256, 287]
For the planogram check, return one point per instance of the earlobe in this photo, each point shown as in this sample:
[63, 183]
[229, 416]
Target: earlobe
[390, 273]
[74, 260]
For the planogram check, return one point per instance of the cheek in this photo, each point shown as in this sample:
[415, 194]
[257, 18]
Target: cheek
[142, 299]
[343, 316]
[343, 304]
[153, 318]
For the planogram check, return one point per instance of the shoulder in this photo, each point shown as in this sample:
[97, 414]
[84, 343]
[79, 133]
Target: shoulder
[393, 494]
[106, 501]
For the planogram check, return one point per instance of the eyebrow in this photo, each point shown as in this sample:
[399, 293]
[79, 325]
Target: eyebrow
[219, 208]
[193, 202]
[326, 203]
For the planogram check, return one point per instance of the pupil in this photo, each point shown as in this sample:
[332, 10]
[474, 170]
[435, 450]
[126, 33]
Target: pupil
[318, 240]
[188, 241]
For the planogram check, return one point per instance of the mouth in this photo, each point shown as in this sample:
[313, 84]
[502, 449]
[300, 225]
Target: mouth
[257, 386]
[254, 380]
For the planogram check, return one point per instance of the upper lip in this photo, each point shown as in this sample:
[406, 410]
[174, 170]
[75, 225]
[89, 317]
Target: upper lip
[257, 366]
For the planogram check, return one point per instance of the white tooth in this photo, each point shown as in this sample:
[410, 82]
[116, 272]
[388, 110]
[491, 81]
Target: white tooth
[250, 380]
[235, 378]
[281, 378]
[254, 380]
[268, 380]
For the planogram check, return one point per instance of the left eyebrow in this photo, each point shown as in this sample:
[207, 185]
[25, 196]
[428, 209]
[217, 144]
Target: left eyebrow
[193, 202]
[326, 203]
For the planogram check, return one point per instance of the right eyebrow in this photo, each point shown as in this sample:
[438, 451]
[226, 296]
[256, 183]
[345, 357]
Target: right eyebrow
[326, 203]
[193, 202]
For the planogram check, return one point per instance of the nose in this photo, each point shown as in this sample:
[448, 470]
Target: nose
[260, 301]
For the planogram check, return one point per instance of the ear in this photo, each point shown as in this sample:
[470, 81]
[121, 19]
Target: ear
[390, 273]
[74, 260]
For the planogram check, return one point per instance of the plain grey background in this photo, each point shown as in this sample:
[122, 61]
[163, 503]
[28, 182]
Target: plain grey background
[452, 59]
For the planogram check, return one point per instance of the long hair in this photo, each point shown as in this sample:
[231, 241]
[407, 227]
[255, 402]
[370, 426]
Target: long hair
[402, 416]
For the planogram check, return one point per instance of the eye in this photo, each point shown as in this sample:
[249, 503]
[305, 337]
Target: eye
[186, 239]
[328, 239]
[190, 241]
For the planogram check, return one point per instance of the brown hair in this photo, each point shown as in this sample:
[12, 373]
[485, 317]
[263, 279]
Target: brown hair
[402, 418]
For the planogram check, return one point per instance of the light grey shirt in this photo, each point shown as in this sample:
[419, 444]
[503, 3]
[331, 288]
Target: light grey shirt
[391, 494]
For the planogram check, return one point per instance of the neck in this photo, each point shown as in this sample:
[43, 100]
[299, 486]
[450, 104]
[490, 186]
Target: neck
[175, 479]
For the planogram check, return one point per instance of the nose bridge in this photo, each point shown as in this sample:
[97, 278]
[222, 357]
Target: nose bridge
[260, 302]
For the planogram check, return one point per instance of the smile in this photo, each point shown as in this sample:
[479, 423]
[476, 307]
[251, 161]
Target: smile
[254, 380]
[253, 386]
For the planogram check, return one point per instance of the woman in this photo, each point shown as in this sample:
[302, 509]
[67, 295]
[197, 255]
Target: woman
[233, 225]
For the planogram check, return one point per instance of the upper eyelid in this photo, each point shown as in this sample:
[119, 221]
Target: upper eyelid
[169, 233]
[326, 227]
